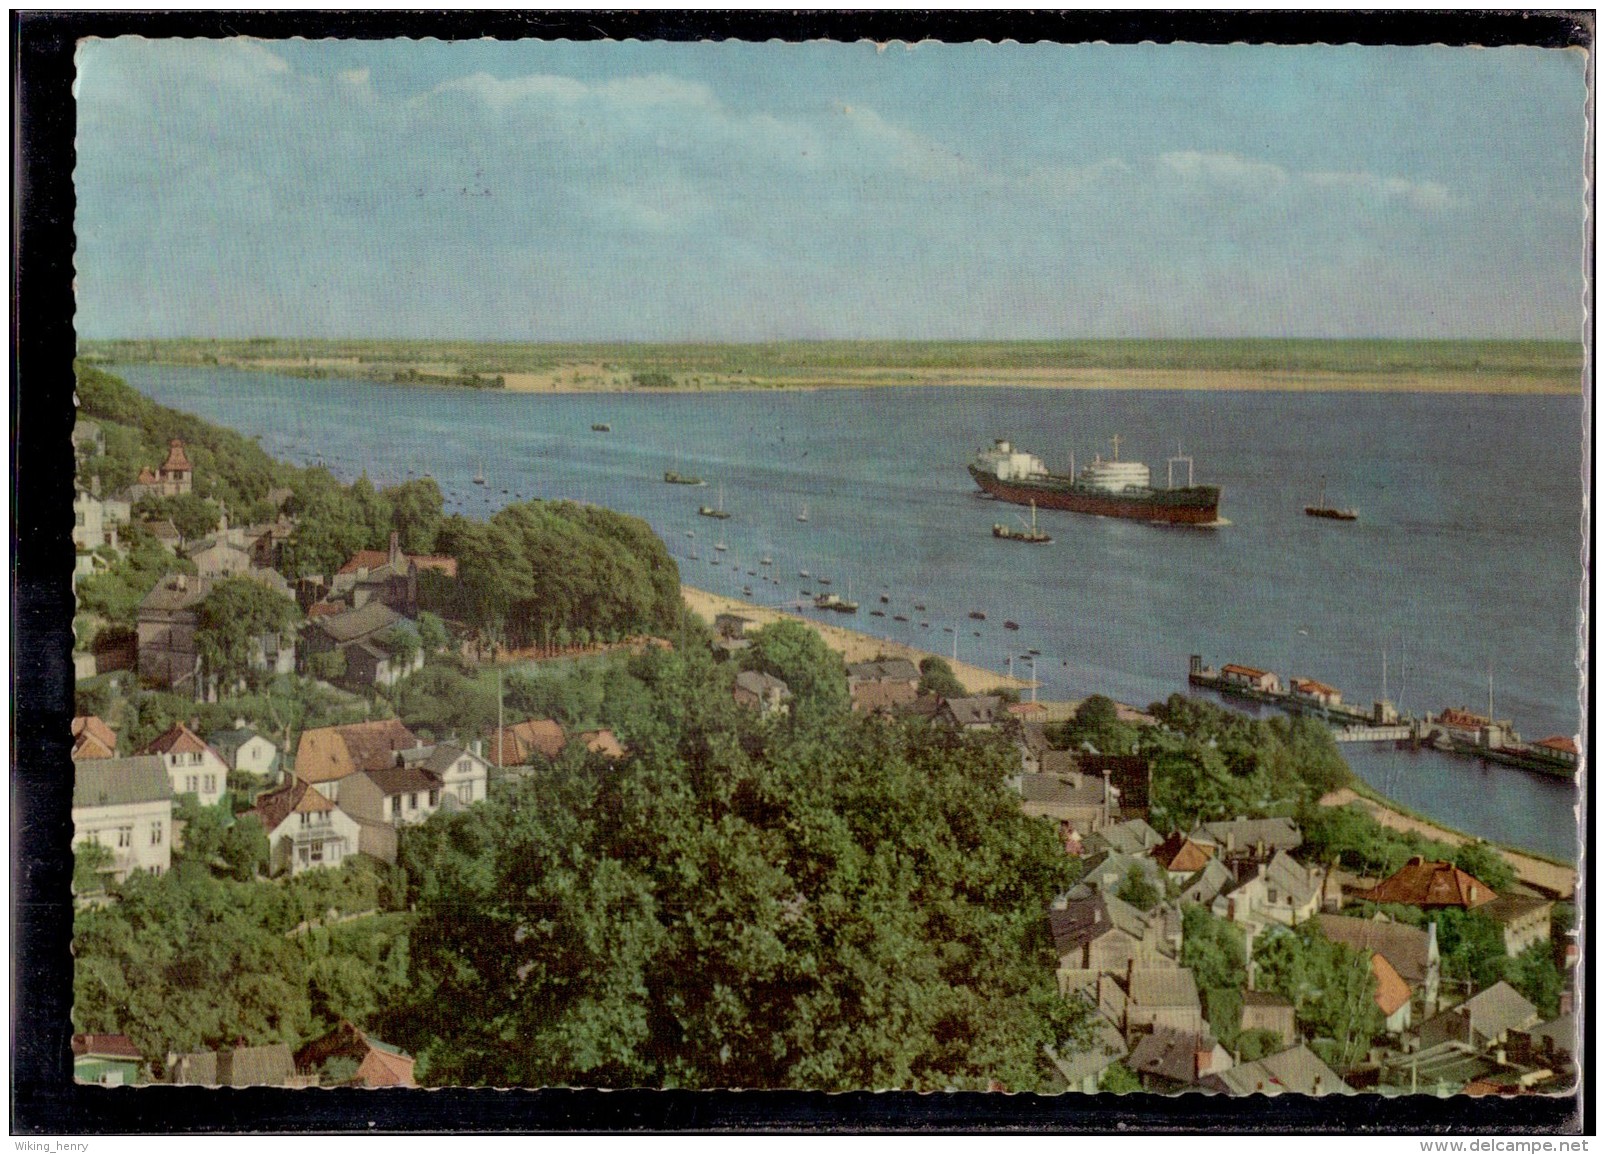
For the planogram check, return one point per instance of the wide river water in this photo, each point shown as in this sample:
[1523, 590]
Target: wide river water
[1465, 560]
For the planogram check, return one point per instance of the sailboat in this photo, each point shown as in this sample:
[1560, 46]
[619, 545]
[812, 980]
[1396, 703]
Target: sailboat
[1324, 510]
[802, 514]
[1032, 536]
[479, 478]
[846, 605]
[709, 511]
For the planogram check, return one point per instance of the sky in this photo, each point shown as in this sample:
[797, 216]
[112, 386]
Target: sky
[560, 191]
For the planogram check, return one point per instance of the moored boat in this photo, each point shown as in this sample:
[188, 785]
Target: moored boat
[1331, 513]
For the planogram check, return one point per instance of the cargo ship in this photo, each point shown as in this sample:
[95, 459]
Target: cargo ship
[1111, 488]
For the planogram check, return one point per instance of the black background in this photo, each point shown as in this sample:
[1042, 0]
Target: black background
[44, 1098]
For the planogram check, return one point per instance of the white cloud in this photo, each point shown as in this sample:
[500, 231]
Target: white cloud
[1224, 168]
[1422, 194]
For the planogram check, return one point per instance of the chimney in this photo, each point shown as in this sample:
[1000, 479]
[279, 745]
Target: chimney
[479, 747]
[1131, 970]
[1315, 1088]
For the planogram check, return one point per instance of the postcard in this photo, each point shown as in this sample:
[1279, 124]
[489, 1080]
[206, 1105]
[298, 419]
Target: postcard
[1052, 569]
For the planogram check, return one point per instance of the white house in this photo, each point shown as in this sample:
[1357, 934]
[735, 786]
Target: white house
[193, 767]
[1280, 892]
[245, 750]
[126, 805]
[304, 829]
[464, 774]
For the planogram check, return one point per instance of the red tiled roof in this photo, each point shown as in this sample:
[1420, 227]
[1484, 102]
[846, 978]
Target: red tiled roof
[92, 738]
[107, 1046]
[147, 476]
[1246, 671]
[322, 609]
[371, 559]
[1558, 742]
[298, 797]
[175, 457]
[1311, 686]
[1422, 883]
[178, 739]
[328, 753]
[1462, 717]
[515, 744]
[1179, 854]
[385, 1069]
[1392, 991]
[603, 742]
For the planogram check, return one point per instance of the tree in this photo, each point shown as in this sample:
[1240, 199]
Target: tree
[936, 677]
[1136, 889]
[402, 643]
[232, 619]
[330, 666]
[432, 633]
[245, 848]
[798, 656]
[1483, 862]
[1213, 948]
[193, 516]
[1534, 974]
[1332, 988]
[416, 511]
[1097, 723]
[1118, 1079]
[91, 862]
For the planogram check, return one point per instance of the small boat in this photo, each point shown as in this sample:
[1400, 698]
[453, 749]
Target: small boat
[674, 478]
[802, 514]
[479, 478]
[925, 625]
[885, 600]
[824, 581]
[691, 533]
[1321, 509]
[766, 560]
[899, 617]
[720, 546]
[601, 427]
[877, 613]
[1011, 625]
[1034, 653]
[747, 590]
[919, 607]
[803, 573]
[947, 629]
[806, 593]
[751, 573]
[978, 615]
[1031, 536]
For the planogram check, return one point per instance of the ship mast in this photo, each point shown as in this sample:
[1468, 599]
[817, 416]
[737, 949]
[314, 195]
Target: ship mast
[1115, 441]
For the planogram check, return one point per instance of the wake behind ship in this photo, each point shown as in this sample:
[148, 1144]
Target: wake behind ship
[1111, 488]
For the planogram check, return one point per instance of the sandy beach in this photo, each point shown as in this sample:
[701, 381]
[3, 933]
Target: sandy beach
[850, 644]
[1537, 872]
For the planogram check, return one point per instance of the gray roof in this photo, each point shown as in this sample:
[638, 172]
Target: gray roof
[1107, 871]
[760, 683]
[226, 742]
[1091, 1059]
[1058, 762]
[1133, 837]
[1509, 907]
[1204, 886]
[1164, 987]
[1084, 920]
[437, 758]
[1246, 833]
[119, 781]
[403, 780]
[1489, 1013]
[1035, 737]
[976, 711]
[176, 592]
[1562, 1032]
[1405, 947]
[358, 623]
[1297, 1069]
[887, 670]
[1048, 790]
[1170, 1054]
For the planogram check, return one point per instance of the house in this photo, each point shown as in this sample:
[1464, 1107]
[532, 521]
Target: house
[1310, 692]
[327, 755]
[92, 738]
[361, 635]
[1180, 857]
[1105, 871]
[1278, 892]
[1083, 1067]
[1248, 678]
[172, 479]
[126, 805]
[521, 743]
[1102, 935]
[1431, 886]
[1267, 1011]
[1411, 952]
[378, 1064]
[305, 830]
[1133, 836]
[1392, 995]
[464, 774]
[974, 713]
[1163, 998]
[1032, 744]
[1128, 774]
[1523, 919]
[762, 692]
[880, 697]
[1204, 887]
[1167, 1060]
[1559, 749]
[1256, 838]
[265, 542]
[167, 620]
[1297, 1070]
[89, 530]
[192, 766]
[398, 796]
[1080, 805]
[217, 557]
[243, 749]
[269, 1066]
[388, 577]
[1482, 1021]
[106, 1060]
[1553, 1045]
[733, 626]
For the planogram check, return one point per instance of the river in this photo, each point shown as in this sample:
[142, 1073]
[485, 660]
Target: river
[1464, 563]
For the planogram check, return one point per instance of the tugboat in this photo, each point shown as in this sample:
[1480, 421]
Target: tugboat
[710, 511]
[1032, 536]
[1321, 509]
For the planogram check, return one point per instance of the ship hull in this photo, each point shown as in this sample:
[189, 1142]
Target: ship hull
[1197, 505]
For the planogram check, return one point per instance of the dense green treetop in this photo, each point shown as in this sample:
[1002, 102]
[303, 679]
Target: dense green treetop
[232, 619]
[798, 656]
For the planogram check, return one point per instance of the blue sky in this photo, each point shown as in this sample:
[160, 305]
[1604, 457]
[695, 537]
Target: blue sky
[638, 191]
